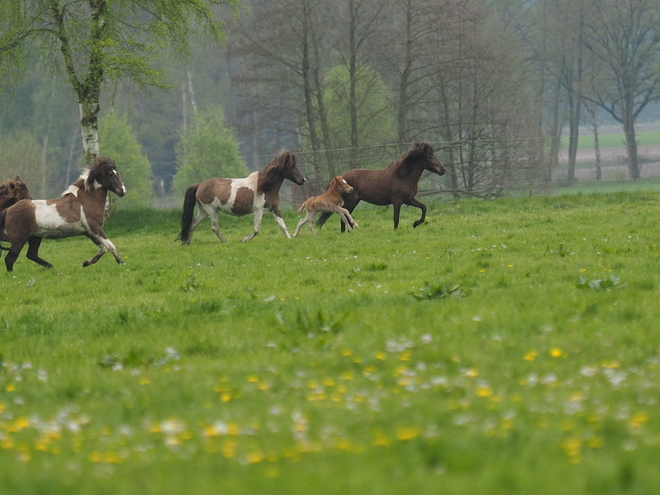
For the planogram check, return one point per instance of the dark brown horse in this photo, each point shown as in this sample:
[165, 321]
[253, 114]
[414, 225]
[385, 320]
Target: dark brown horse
[396, 185]
[11, 192]
[79, 211]
[255, 193]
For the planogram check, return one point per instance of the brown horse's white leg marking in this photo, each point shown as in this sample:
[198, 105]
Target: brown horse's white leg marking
[280, 222]
[104, 245]
[258, 215]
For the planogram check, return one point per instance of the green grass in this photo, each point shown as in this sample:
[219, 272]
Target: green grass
[504, 347]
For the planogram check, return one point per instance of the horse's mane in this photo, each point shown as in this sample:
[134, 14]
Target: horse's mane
[401, 167]
[273, 172]
[10, 195]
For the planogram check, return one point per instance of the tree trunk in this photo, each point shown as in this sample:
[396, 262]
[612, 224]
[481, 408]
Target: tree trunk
[308, 90]
[352, 70]
[594, 126]
[631, 146]
[402, 121]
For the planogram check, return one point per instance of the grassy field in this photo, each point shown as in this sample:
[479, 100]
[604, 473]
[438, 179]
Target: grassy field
[618, 140]
[503, 347]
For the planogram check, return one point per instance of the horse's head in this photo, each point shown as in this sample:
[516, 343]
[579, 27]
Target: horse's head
[290, 169]
[431, 163]
[12, 191]
[105, 173]
[342, 185]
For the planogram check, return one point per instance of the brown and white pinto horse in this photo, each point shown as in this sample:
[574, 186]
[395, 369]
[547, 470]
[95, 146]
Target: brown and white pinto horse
[253, 194]
[79, 211]
[329, 201]
[396, 185]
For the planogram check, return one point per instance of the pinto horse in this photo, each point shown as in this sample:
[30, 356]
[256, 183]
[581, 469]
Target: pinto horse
[255, 193]
[329, 201]
[79, 211]
[395, 185]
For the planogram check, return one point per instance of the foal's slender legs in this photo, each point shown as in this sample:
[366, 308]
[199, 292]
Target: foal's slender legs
[308, 219]
[350, 206]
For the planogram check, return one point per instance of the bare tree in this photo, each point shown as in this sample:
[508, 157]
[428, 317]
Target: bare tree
[624, 36]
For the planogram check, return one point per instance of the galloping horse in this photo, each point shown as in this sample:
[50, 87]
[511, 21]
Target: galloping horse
[12, 191]
[329, 201]
[252, 194]
[395, 185]
[79, 211]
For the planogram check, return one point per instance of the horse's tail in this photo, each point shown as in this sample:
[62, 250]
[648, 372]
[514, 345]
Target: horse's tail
[187, 216]
[323, 217]
[302, 207]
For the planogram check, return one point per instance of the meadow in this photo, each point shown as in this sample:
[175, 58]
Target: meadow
[507, 346]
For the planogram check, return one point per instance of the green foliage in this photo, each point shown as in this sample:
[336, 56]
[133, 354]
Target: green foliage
[118, 141]
[598, 283]
[21, 154]
[429, 292]
[208, 149]
[375, 120]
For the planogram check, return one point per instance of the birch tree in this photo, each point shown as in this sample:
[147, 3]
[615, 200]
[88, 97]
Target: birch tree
[94, 41]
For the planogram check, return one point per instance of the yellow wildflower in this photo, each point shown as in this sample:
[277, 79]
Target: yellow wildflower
[531, 355]
[407, 433]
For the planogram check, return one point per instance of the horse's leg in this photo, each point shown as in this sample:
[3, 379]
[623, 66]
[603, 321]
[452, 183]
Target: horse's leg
[215, 225]
[310, 221]
[104, 245]
[421, 206]
[349, 204]
[345, 215]
[280, 221]
[12, 255]
[33, 252]
[201, 216]
[258, 214]
[397, 211]
[302, 222]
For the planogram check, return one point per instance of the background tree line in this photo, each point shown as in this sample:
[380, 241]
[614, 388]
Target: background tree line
[351, 83]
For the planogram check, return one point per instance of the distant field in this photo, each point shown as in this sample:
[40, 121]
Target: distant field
[586, 140]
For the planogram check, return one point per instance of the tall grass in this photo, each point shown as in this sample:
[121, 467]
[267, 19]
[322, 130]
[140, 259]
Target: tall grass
[502, 347]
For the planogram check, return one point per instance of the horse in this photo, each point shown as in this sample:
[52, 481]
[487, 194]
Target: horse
[395, 185]
[255, 193]
[12, 191]
[329, 201]
[79, 211]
